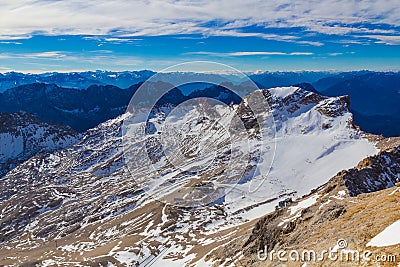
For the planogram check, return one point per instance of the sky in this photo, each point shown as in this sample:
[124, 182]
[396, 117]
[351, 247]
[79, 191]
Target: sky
[276, 35]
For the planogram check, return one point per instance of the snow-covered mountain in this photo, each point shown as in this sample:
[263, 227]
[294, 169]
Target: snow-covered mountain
[270, 79]
[85, 108]
[77, 80]
[79, 109]
[84, 205]
[23, 135]
[374, 95]
[123, 79]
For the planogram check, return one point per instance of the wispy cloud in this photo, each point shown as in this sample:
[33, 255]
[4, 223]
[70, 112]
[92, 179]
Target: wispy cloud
[313, 43]
[250, 53]
[385, 39]
[48, 54]
[301, 54]
[117, 18]
[121, 40]
[49, 58]
[267, 36]
[335, 54]
[13, 36]
[239, 54]
[10, 42]
[101, 51]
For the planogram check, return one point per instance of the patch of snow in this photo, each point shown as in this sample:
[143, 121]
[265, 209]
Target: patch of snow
[325, 203]
[203, 263]
[388, 237]
[10, 146]
[295, 211]
[46, 263]
[395, 191]
[175, 256]
[282, 92]
[125, 257]
[304, 204]
[340, 195]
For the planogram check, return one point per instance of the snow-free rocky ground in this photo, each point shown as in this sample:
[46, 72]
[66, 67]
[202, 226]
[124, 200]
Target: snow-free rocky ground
[81, 206]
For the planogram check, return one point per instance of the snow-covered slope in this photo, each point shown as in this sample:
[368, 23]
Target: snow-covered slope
[358, 206]
[84, 205]
[23, 135]
[315, 138]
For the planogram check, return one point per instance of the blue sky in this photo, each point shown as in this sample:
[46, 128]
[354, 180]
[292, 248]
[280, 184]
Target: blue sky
[46, 35]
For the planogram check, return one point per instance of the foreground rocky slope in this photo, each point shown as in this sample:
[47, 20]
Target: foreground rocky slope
[354, 206]
[81, 205]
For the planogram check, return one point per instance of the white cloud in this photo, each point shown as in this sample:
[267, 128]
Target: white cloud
[235, 33]
[250, 53]
[118, 18]
[301, 54]
[10, 42]
[9, 37]
[49, 54]
[121, 40]
[42, 55]
[385, 39]
[239, 54]
[95, 57]
[335, 54]
[314, 43]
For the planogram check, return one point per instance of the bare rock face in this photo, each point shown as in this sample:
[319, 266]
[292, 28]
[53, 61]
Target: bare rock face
[374, 173]
[334, 107]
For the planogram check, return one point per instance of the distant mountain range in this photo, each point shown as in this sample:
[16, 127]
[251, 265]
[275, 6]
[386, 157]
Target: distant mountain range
[77, 80]
[275, 79]
[79, 109]
[84, 99]
[374, 98]
[83, 109]
[124, 79]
